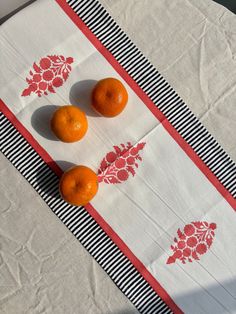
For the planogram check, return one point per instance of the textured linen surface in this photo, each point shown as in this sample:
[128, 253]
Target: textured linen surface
[198, 61]
[193, 44]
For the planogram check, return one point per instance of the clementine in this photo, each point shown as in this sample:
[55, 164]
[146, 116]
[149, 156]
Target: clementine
[69, 123]
[109, 97]
[78, 185]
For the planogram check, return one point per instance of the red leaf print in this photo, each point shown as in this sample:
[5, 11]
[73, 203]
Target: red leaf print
[51, 71]
[117, 150]
[69, 60]
[194, 255]
[194, 241]
[51, 89]
[198, 224]
[131, 170]
[116, 166]
[26, 92]
[36, 68]
[65, 75]
[170, 260]
[180, 234]
[103, 165]
[140, 146]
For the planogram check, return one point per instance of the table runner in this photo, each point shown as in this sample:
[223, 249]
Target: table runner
[166, 96]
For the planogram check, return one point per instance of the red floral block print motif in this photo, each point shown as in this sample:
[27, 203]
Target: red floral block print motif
[194, 241]
[117, 165]
[51, 72]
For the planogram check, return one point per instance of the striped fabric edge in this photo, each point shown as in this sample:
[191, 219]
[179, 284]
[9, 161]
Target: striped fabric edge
[107, 31]
[77, 219]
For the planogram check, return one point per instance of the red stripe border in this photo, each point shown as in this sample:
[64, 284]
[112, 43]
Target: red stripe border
[92, 211]
[147, 101]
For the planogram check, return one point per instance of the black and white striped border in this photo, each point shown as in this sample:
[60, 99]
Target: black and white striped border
[42, 178]
[159, 91]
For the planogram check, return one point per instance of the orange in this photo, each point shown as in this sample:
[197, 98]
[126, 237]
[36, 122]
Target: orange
[78, 185]
[109, 97]
[69, 123]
